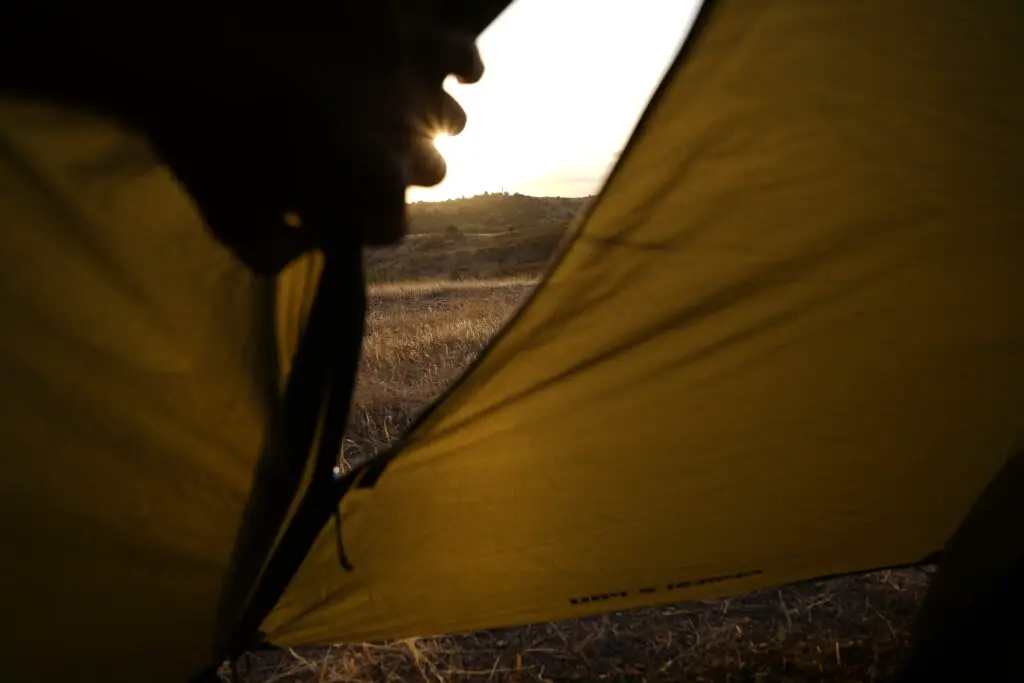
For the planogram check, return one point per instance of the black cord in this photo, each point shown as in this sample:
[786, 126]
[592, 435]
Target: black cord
[329, 349]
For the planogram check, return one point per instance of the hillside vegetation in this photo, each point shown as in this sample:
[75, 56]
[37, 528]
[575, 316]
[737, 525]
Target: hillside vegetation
[487, 236]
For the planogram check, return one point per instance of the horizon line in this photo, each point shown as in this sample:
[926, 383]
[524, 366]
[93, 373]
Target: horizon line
[506, 194]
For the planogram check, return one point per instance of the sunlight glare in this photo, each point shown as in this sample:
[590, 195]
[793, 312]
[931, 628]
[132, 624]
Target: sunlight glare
[443, 144]
[556, 105]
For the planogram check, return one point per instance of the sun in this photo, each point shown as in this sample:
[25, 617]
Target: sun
[443, 143]
[470, 168]
[458, 181]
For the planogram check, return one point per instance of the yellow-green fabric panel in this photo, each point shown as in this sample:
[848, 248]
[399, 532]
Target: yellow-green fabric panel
[139, 367]
[787, 342]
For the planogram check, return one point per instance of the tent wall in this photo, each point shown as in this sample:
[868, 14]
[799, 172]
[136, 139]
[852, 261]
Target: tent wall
[787, 342]
[140, 365]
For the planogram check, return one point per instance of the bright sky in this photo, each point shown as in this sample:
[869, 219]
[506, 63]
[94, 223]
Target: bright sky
[566, 81]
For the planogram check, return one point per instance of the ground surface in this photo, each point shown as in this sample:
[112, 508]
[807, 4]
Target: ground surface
[427, 322]
[843, 630]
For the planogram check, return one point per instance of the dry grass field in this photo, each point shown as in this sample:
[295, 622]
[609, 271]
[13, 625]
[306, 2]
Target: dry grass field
[419, 338]
[422, 333]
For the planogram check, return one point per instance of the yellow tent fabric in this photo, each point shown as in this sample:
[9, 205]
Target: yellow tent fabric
[140, 365]
[787, 341]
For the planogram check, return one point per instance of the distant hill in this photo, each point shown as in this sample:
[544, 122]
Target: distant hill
[496, 212]
[486, 236]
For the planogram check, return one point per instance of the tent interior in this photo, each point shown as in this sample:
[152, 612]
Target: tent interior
[786, 341]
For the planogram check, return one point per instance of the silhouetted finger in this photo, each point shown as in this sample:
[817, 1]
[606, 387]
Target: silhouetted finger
[378, 212]
[474, 70]
[360, 186]
[442, 114]
[425, 167]
[455, 54]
